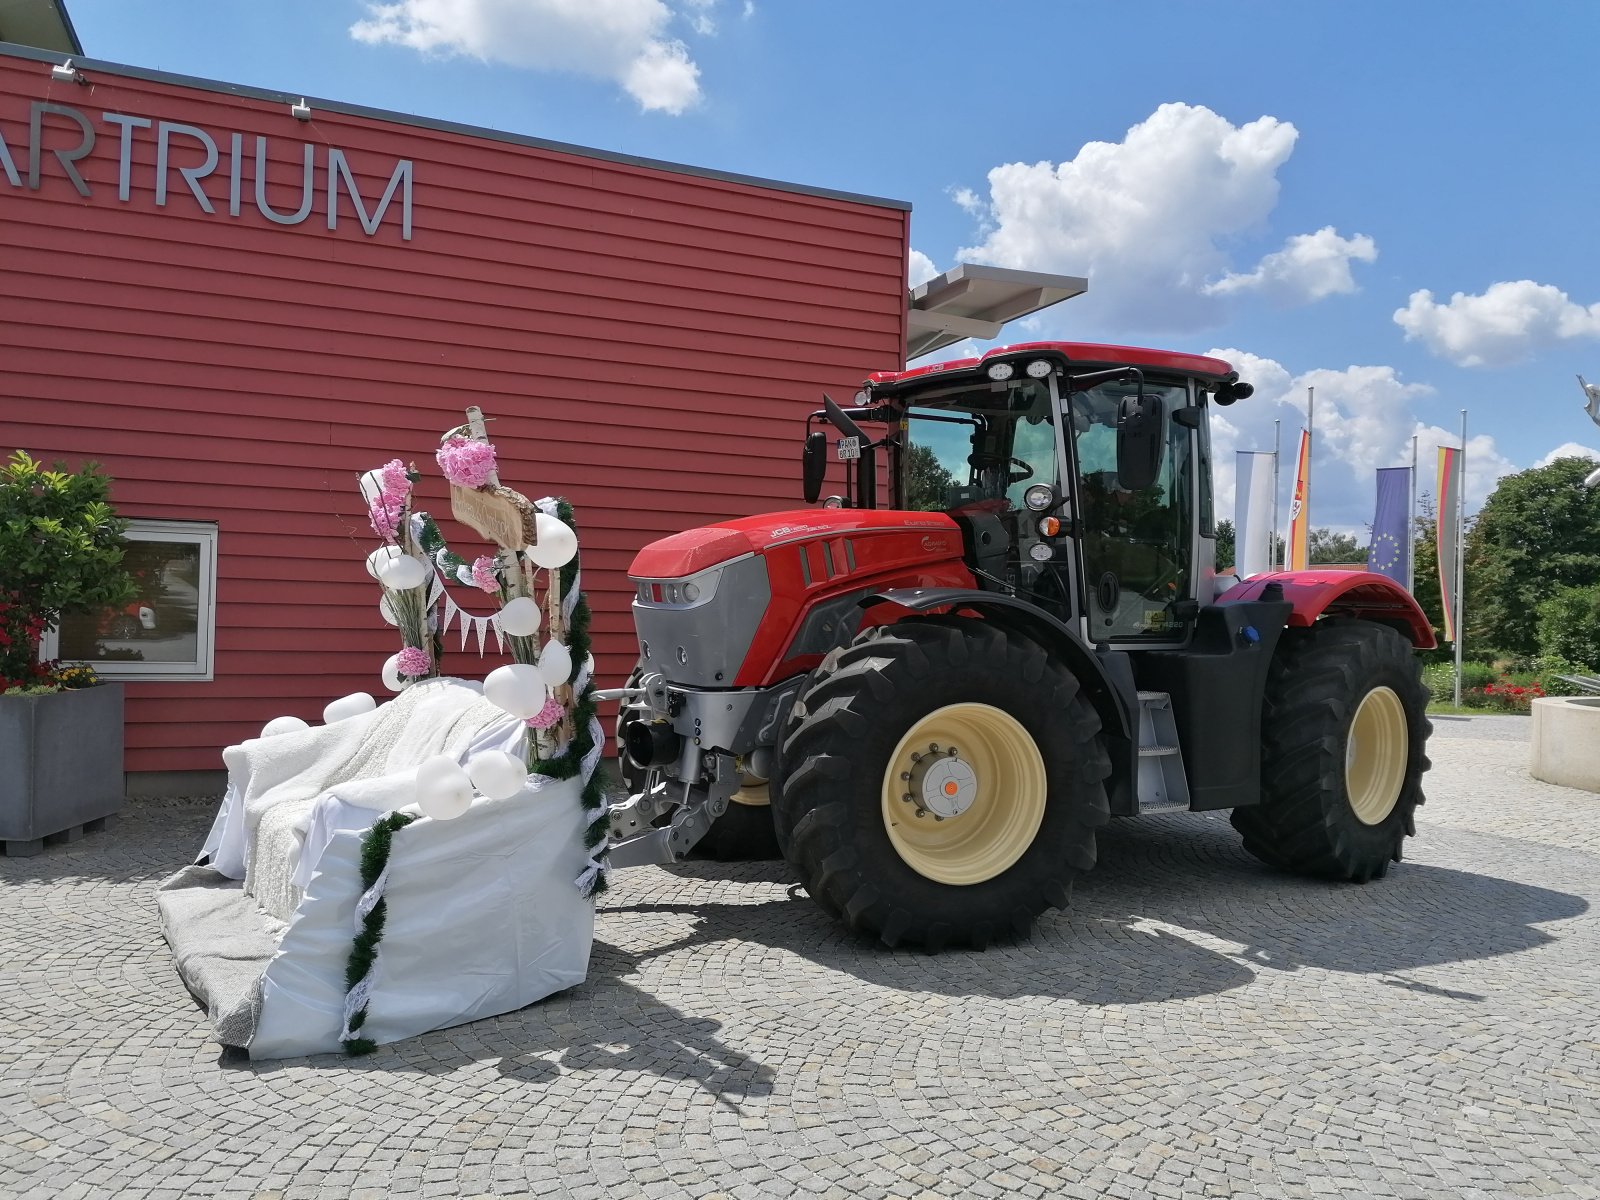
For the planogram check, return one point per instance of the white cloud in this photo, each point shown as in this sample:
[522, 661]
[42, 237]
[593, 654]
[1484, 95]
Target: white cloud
[698, 13]
[1568, 450]
[920, 269]
[1147, 219]
[1365, 419]
[1310, 267]
[621, 40]
[1504, 325]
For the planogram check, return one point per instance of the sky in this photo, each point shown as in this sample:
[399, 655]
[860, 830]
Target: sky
[1392, 203]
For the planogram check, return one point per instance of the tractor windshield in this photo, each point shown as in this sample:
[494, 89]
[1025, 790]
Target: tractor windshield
[978, 446]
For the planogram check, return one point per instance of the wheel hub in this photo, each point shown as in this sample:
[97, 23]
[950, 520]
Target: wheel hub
[964, 793]
[940, 783]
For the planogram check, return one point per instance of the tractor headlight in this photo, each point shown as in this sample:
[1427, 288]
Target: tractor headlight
[1038, 368]
[1000, 372]
[1039, 497]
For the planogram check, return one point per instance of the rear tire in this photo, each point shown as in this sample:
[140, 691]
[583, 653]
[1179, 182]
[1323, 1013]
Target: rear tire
[1344, 737]
[742, 834]
[1023, 763]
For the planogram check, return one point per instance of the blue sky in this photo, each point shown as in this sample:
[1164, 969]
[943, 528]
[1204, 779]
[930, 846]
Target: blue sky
[1395, 203]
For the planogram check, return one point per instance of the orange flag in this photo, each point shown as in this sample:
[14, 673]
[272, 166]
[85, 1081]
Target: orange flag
[1299, 531]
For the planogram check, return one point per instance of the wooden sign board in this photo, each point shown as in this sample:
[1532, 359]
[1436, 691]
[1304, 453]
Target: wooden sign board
[503, 516]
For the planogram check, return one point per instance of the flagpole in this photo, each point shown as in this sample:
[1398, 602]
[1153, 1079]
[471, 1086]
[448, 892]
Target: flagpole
[1411, 525]
[1311, 452]
[1461, 549]
[1274, 559]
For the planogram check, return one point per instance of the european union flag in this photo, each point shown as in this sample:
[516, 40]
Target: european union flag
[1391, 540]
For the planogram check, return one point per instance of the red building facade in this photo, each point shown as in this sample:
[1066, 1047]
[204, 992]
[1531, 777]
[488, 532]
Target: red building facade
[236, 309]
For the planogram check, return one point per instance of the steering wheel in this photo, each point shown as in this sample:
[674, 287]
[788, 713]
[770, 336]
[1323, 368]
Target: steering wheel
[980, 461]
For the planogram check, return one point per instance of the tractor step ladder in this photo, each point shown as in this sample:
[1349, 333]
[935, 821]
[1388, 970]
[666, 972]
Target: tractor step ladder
[1163, 786]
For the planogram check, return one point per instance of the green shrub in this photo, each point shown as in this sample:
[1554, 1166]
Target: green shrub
[1477, 675]
[1569, 625]
[1548, 670]
[1440, 680]
[60, 554]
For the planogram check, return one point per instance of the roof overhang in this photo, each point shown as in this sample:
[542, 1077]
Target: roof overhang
[42, 24]
[969, 301]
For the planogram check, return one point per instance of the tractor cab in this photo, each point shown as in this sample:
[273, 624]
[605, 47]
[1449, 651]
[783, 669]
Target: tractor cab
[1079, 474]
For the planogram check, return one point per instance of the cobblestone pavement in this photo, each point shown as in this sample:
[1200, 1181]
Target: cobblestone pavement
[1196, 1025]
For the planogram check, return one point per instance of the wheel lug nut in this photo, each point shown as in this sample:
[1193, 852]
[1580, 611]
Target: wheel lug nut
[907, 798]
[915, 757]
[952, 752]
[933, 747]
[920, 813]
[938, 816]
[905, 776]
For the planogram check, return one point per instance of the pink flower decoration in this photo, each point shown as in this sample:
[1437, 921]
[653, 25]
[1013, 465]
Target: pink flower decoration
[395, 479]
[466, 462]
[384, 513]
[483, 574]
[549, 715]
[413, 662]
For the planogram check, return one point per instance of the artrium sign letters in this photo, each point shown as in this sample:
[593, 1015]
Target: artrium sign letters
[195, 166]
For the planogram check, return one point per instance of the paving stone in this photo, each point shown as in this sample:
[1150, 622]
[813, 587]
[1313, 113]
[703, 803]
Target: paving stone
[1196, 1025]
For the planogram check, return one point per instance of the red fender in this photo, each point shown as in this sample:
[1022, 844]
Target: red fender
[1364, 594]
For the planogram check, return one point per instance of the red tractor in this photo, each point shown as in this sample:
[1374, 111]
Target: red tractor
[931, 707]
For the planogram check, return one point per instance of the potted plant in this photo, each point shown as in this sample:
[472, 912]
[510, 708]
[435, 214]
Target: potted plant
[60, 727]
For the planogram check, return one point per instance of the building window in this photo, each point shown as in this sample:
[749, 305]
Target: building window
[167, 630]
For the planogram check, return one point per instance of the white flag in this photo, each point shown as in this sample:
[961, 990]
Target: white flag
[1252, 513]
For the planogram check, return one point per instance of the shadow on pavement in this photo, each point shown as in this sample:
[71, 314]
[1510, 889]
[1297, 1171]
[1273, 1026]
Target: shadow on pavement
[1175, 909]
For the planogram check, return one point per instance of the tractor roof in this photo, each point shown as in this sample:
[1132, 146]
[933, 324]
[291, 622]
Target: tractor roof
[1085, 353]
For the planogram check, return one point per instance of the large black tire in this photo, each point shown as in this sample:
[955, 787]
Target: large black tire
[836, 800]
[742, 834]
[1333, 806]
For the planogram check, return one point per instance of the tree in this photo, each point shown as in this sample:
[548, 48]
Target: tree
[1227, 548]
[1224, 545]
[1325, 546]
[1538, 532]
[1569, 626]
[928, 483]
[60, 554]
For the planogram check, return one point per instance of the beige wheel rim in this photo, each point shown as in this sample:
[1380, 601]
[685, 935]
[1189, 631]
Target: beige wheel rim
[755, 795]
[981, 805]
[1375, 756]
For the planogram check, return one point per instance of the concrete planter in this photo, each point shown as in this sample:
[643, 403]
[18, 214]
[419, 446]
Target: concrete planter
[60, 764]
[1565, 748]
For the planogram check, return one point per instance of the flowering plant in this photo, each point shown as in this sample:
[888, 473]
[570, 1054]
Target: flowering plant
[61, 553]
[466, 462]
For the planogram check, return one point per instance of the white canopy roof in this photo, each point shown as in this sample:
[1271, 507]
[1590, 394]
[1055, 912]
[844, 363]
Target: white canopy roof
[970, 301]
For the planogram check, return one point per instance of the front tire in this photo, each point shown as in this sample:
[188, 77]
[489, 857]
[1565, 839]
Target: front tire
[997, 748]
[1344, 738]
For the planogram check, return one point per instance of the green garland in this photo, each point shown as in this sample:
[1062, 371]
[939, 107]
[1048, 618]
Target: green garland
[375, 847]
[583, 712]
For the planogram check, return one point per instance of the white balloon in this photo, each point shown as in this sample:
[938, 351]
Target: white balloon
[555, 664]
[371, 486]
[556, 544]
[519, 617]
[517, 688]
[380, 556]
[496, 774]
[282, 725]
[352, 705]
[386, 611]
[402, 573]
[391, 674]
[443, 790]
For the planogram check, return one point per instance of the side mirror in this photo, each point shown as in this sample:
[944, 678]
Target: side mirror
[1140, 441]
[814, 464]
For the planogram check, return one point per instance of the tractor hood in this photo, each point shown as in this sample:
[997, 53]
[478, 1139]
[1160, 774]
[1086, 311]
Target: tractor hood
[694, 550]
